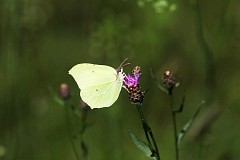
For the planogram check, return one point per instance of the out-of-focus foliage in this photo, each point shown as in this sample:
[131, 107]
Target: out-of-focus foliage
[40, 40]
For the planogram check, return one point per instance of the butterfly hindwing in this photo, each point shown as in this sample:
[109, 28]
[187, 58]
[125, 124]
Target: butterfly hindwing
[103, 95]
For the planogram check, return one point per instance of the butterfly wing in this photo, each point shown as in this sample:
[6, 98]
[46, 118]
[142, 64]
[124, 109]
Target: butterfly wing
[100, 85]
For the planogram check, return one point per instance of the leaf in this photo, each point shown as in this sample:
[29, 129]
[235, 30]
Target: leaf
[161, 87]
[55, 97]
[141, 145]
[188, 124]
[180, 109]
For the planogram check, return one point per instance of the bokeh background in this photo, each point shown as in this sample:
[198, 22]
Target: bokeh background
[40, 40]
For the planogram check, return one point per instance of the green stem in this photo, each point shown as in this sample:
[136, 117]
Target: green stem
[82, 130]
[68, 123]
[148, 132]
[174, 126]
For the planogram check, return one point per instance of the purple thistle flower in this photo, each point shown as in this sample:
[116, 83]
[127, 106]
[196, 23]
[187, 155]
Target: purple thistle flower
[131, 84]
[131, 80]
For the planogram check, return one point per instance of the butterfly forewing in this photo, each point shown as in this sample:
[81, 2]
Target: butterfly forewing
[87, 75]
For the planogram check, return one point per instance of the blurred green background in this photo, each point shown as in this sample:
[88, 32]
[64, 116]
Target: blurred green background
[42, 39]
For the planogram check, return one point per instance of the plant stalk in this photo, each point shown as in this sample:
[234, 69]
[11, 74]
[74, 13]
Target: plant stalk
[174, 127]
[148, 133]
[68, 123]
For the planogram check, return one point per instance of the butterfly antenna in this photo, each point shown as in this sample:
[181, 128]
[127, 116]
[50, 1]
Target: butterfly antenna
[123, 64]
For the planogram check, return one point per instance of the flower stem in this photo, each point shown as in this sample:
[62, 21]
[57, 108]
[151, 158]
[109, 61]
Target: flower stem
[174, 126]
[68, 123]
[82, 130]
[148, 132]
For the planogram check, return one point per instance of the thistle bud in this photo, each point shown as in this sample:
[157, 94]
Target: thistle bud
[168, 81]
[64, 91]
[84, 106]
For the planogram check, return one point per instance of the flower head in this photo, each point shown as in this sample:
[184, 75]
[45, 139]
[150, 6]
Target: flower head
[134, 79]
[131, 84]
[131, 80]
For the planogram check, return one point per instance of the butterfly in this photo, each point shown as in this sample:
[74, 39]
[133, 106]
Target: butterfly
[100, 85]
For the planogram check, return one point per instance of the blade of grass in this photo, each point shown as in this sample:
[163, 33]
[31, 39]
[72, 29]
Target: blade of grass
[187, 126]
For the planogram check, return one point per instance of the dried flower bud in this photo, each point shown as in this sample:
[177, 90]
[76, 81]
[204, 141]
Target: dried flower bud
[64, 91]
[169, 81]
[84, 106]
[137, 70]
